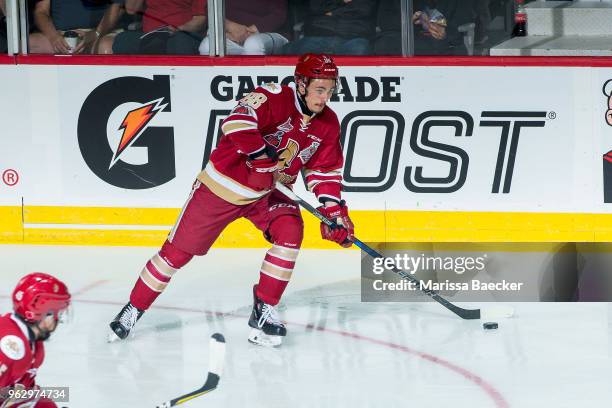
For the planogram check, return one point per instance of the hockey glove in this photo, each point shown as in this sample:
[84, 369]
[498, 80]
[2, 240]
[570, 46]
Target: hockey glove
[267, 164]
[262, 169]
[345, 230]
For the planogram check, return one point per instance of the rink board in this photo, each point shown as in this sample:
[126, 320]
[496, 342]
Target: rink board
[436, 153]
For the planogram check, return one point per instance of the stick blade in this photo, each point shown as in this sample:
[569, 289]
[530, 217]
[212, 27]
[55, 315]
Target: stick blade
[215, 363]
[216, 353]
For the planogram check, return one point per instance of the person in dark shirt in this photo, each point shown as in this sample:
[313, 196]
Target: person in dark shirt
[3, 43]
[342, 27]
[89, 20]
[483, 20]
[253, 27]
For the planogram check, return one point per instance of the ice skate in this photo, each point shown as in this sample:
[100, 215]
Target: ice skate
[267, 329]
[124, 322]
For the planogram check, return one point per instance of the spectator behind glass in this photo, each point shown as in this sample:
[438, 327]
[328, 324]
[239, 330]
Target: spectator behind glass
[341, 27]
[389, 21]
[436, 27]
[482, 20]
[90, 19]
[3, 43]
[168, 27]
[252, 27]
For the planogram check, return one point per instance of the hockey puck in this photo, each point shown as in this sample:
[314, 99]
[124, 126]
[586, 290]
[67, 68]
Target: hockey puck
[490, 326]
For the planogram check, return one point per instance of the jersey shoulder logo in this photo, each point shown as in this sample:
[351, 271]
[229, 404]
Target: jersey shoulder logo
[286, 127]
[308, 152]
[241, 109]
[13, 347]
[276, 138]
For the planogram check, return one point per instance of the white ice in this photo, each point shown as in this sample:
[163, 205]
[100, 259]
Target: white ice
[339, 352]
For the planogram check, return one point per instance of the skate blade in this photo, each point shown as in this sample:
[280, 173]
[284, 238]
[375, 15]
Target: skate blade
[259, 338]
[111, 337]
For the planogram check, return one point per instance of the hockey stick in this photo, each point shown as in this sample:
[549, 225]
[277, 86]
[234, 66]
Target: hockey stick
[217, 354]
[468, 314]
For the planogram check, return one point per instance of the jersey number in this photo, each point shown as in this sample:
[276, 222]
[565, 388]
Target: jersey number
[254, 99]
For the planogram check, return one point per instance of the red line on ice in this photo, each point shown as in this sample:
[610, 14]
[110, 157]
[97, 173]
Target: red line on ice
[89, 287]
[490, 390]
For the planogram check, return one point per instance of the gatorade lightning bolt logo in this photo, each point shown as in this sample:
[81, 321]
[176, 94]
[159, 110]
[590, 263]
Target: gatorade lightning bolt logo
[133, 125]
[117, 119]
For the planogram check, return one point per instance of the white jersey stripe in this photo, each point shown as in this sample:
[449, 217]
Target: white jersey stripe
[178, 221]
[232, 186]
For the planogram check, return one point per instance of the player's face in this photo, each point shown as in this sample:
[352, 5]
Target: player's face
[47, 326]
[319, 93]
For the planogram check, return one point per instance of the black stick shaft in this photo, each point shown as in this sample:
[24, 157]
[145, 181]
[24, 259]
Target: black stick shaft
[468, 314]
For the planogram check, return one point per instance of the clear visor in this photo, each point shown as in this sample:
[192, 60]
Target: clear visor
[64, 316]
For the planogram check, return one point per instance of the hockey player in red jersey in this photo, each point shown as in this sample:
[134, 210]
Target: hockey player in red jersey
[271, 135]
[39, 303]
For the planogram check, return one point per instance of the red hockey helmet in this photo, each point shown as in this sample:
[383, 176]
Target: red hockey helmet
[315, 66]
[38, 295]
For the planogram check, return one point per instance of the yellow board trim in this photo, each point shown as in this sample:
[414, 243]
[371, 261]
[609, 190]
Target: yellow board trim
[11, 224]
[20, 226]
[488, 247]
[99, 215]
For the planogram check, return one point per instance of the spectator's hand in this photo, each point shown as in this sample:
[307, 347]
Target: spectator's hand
[60, 46]
[420, 18]
[416, 17]
[86, 44]
[238, 33]
[252, 29]
[437, 31]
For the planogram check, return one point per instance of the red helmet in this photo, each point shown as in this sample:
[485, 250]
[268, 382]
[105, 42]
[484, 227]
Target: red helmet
[38, 294]
[315, 66]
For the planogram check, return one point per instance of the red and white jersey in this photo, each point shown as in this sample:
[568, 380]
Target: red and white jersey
[19, 359]
[271, 115]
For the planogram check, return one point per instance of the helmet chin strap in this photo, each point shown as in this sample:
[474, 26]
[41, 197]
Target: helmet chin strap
[32, 336]
[302, 101]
